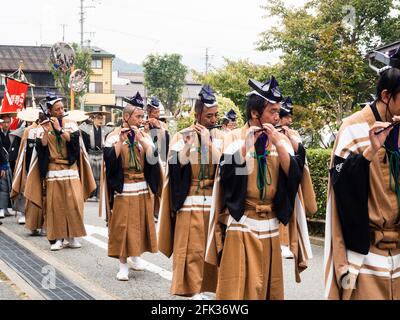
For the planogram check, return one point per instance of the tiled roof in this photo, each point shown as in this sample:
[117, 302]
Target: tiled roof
[35, 59]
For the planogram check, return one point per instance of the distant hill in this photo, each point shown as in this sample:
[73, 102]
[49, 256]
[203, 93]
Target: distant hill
[123, 66]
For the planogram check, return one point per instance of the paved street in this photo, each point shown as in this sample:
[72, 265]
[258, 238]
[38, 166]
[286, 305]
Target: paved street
[90, 264]
[7, 289]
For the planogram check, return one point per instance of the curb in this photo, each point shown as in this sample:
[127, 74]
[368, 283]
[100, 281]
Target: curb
[74, 276]
[318, 241]
[22, 287]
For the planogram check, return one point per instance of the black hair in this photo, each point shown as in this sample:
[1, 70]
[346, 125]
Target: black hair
[255, 102]
[225, 121]
[198, 107]
[389, 80]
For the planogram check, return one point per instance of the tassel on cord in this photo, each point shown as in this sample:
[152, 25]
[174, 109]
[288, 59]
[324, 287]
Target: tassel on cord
[264, 177]
[394, 160]
[393, 153]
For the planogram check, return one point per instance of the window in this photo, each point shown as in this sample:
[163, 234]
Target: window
[97, 64]
[96, 87]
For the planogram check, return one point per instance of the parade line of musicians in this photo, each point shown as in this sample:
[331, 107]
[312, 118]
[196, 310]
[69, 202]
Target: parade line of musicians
[226, 203]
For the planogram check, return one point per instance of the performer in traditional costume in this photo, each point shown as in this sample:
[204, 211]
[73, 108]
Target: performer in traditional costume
[186, 200]
[60, 164]
[94, 138]
[3, 165]
[306, 192]
[255, 191]
[158, 131]
[31, 214]
[10, 144]
[132, 177]
[229, 121]
[362, 236]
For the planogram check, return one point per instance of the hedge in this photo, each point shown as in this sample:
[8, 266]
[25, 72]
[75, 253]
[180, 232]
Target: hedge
[318, 162]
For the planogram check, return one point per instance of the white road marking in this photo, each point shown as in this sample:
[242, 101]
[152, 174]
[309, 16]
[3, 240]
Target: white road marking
[91, 230]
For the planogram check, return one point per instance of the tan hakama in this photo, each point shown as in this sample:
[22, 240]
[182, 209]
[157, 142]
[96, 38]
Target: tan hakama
[131, 226]
[186, 235]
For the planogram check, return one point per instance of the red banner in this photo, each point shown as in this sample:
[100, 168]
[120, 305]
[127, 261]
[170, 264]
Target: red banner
[14, 98]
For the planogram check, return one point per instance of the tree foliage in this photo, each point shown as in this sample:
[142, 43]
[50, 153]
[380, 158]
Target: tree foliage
[324, 44]
[165, 78]
[231, 80]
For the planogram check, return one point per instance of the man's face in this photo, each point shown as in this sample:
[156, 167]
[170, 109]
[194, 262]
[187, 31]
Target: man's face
[98, 120]
[394, 105]
[271, 113]
[231, 125]
[136, 118]
[209, 116]
[6, 122]
[57, 110]
[154, 113]
[286, 120]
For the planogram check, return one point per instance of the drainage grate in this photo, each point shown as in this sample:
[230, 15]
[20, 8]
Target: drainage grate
[30, 268]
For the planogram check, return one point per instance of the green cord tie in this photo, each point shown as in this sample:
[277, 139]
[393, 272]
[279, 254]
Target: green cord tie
[394, 160]
[59, 142]
[133, 161]
[204, 173]
[264, 177]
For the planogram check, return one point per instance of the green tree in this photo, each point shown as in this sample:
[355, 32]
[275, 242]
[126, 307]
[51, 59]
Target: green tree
[231, 80]
[83, 60]
[226, 104]
[324, 42]
[165, 78]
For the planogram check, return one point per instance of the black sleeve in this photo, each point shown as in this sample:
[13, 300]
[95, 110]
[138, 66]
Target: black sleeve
[234, 186]
[301, 156]
[179, 182]
[43, 158]
[73, 147]
[288, 186]
[350, 181]
[167, 137]
[29, 149]
[86, 140]
[152, 173]
[164, 147]
[3, 158]
[114, 171]
[14, 149]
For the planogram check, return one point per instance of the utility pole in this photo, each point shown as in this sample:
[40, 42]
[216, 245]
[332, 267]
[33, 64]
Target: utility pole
[207, 61]
[81, 20]
[63, 27]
